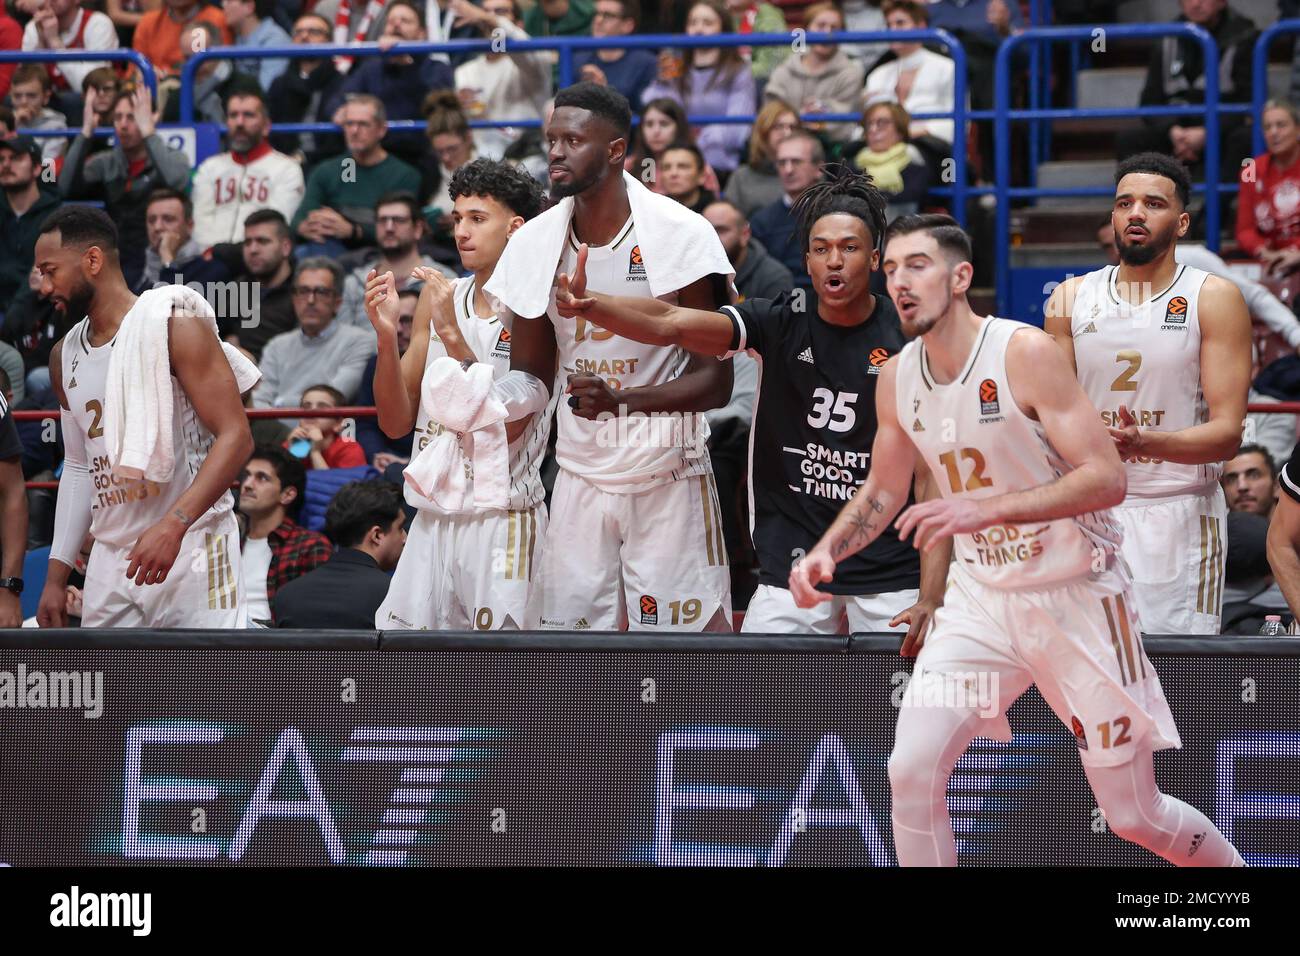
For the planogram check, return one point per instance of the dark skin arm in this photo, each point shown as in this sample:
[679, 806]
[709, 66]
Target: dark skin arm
[203, 372]
[13, 532]
[705, 384]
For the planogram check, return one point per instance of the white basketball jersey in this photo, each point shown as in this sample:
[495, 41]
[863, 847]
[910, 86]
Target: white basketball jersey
[979, 444]
[122, 509]
[490, 341]
[1148, 358]
[626, 454]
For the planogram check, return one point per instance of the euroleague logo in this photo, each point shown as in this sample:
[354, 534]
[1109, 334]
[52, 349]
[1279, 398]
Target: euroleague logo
[1176, 311]
[649, 610]
[988, 397]
[876, 360]
[503, 343]
[1077, 726]
[635, 264]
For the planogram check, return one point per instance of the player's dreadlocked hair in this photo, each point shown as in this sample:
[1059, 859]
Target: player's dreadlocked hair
[841, 189]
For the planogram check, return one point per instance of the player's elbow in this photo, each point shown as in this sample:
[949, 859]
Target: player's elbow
[1114, 485]
[670, 329]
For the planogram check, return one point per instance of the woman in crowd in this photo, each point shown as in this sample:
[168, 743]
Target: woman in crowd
[756, 184]
[823, 79]
[663, 123]
[895, 165]
[1268, 203]
[712, 81]
[452, 146]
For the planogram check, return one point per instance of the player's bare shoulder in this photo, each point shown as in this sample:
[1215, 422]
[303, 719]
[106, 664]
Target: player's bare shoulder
[1221, 304]
[1060, 304]
[1035, 364]
[56, 370]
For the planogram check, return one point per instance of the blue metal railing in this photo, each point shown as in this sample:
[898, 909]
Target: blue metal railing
[48, 56]
[1003, 114]
[566, 46]
[1259, 85]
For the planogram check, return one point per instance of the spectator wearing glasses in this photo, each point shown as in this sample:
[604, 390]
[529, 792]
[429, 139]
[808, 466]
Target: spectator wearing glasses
[896, 167]
[399, 226]
[320, 350]
[338, 209]
[629, 71]
[300, 93]
[756, 184]
[98, 91]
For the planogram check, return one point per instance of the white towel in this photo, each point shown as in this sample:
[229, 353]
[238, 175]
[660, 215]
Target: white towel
[140, 380]
[678, 247]
[466, 467]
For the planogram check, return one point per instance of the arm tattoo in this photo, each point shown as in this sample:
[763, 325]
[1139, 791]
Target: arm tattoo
[182, 517]
[860, 530]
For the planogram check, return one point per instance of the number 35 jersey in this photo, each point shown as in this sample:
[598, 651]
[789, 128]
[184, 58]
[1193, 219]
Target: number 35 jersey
[1147, 358]
[811, 437]
[122, 509]
[979, 444]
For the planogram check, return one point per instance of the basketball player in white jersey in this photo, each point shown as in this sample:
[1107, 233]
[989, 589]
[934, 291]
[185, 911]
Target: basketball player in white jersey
[165, 555]
[475, 570]
[1164, 351]
[1037, 592]
[635, 527]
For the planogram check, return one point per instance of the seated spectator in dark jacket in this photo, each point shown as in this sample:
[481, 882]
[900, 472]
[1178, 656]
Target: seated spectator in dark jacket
[399, 81]
[366, 520]
[628, 71]
[758, 275]
[896, 167]
[124, 176]
[301, 92]
[275, 549]
[215, 81]
[1176, 77]
[327, 445]
[23, 208]
[382, 451]
[264, 263]
[169, 224]
[681, 172]
[799, 158]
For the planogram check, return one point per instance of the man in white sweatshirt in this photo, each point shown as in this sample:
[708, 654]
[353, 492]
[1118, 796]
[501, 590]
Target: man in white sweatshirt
[501, 86]
[249, 176]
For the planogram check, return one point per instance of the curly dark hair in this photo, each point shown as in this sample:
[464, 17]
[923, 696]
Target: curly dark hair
[509, 185]
[1159, 164]
[842, 189]
[603, 101]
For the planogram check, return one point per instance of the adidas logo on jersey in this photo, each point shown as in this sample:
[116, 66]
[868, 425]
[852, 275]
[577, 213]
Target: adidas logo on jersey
[581, 625]
[917, 426]
[1090, 327]
[73, 382]
[806, 356]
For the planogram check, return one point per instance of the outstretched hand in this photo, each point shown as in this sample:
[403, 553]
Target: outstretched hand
[571, 290]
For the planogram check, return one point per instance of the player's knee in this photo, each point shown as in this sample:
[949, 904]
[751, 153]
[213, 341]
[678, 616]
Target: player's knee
[1130, 821]
[911, 774]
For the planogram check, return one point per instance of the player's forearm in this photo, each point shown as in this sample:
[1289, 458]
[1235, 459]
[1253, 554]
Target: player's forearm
[1092, 486]
[1212, 441]
[705, 386]
[225, 460]
[861, 521]
[1285, 564]
[13, 528]
[392, 401]
[455, 345]
[657, 323]
[934, 571]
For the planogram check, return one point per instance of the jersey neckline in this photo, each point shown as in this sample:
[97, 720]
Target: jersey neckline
[928, 377]
[1112, 289]
[607, 249]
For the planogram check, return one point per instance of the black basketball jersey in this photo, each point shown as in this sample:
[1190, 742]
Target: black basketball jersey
[810, 442]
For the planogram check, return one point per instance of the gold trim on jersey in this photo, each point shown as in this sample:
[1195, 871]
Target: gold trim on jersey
[1114, 639]
[521, 536]
[613, 246]
[221, 579]
[1134, 642]
[714, 545]
[1122, 640]
[1209, 590]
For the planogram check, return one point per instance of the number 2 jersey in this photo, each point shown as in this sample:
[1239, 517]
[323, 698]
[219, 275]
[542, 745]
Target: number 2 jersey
[979, 444]
[810, 440]
[121, 509]
[1148, 358]
[489, 340]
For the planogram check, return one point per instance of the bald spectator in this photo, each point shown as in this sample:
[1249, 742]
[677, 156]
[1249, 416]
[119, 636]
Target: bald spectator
[758, 275]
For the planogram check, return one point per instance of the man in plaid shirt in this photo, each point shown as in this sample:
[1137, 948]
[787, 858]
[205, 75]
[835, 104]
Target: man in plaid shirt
[276, 549]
